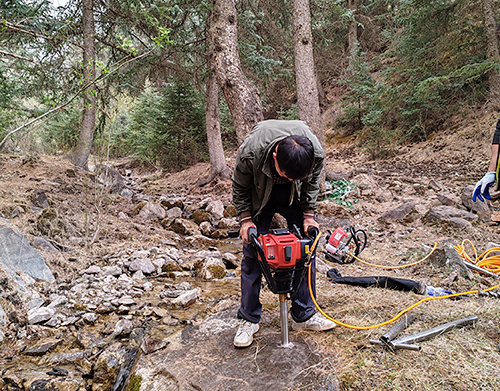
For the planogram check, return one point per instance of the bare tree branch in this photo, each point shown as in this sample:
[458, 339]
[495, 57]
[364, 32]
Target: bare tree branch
[20, 29]
[16, 56]
[62, 106]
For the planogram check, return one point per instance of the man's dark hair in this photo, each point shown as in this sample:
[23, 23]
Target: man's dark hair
[295, 156]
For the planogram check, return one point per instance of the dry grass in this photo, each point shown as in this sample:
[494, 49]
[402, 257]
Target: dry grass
[462, 359]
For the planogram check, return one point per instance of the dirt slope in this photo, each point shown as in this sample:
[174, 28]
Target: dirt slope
[88, 223]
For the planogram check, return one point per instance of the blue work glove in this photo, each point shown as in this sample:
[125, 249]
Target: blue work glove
[482, 188]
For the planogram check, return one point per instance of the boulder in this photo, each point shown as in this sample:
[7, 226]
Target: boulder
[449, 199]
[466, 197]
[451, 215]
[210, 268]
[445, 255]
[152, 211]
[216, 209]
[17, 254]
[398, 213]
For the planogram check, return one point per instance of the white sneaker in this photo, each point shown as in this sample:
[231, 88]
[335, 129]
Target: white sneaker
[244, 335]
[315, 323]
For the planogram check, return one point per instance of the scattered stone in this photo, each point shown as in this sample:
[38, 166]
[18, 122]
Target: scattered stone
[89, 318]
[445, 255]
[58, 372]
[89, 341]
[231, 261]
[139, 276]
[446, 213]
[437, 186]
[152, 211]
[144, 265]
[201, 216]
[94, 269]
[186, 299]
[123, 327]
[174, 213]
[35, 303]
[450, 279]
[39, 315]
[216, 209]
[150, 345]
[43, 244]
[448, 199]
[466, 197]
[185, 227]
[399, 213]
[39, 199]
[108, 365]
[210, 268]
[3, 317]
[110, 178]
[70, 320]
[172, 202]
[126, 301]
[42, 347]
[126, 193]
[207, 228]
[111, 271]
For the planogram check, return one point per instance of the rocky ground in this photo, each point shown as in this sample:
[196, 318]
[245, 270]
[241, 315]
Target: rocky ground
[134, 281]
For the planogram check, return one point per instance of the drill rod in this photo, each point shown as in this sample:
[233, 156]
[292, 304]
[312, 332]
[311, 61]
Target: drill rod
[284, 320]
[398, 328]
[395, 346]
[427, 334]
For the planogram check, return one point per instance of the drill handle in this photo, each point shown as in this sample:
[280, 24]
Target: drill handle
[313, 232]
[252, 234]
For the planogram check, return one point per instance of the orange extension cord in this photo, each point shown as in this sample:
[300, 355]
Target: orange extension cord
[485, 260]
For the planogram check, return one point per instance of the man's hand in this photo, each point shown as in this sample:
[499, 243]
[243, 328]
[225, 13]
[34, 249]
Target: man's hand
[309, 222]
[482, 188]
[245, 226]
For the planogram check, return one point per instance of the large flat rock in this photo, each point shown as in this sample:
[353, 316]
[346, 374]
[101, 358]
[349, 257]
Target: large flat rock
[17, 254]
[203, 358]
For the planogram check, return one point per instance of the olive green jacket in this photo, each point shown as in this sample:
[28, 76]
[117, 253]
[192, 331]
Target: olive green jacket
[252, 181]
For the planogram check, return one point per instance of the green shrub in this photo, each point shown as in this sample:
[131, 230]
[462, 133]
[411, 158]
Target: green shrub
[60, 132]
[168, 128]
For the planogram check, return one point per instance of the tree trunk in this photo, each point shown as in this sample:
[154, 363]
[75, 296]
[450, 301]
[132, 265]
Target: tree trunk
[352, 37]
[81, 153]
[241, 95]
[218, 166]
[305, 74]
[305, 71]
[492, 51]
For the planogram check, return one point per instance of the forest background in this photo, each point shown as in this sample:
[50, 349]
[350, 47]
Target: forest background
[395, 71]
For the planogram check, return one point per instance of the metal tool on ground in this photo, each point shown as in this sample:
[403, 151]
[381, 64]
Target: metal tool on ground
[392, 333]
[341, 245]
[284, 257]
[438, 330]
[396, 346]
